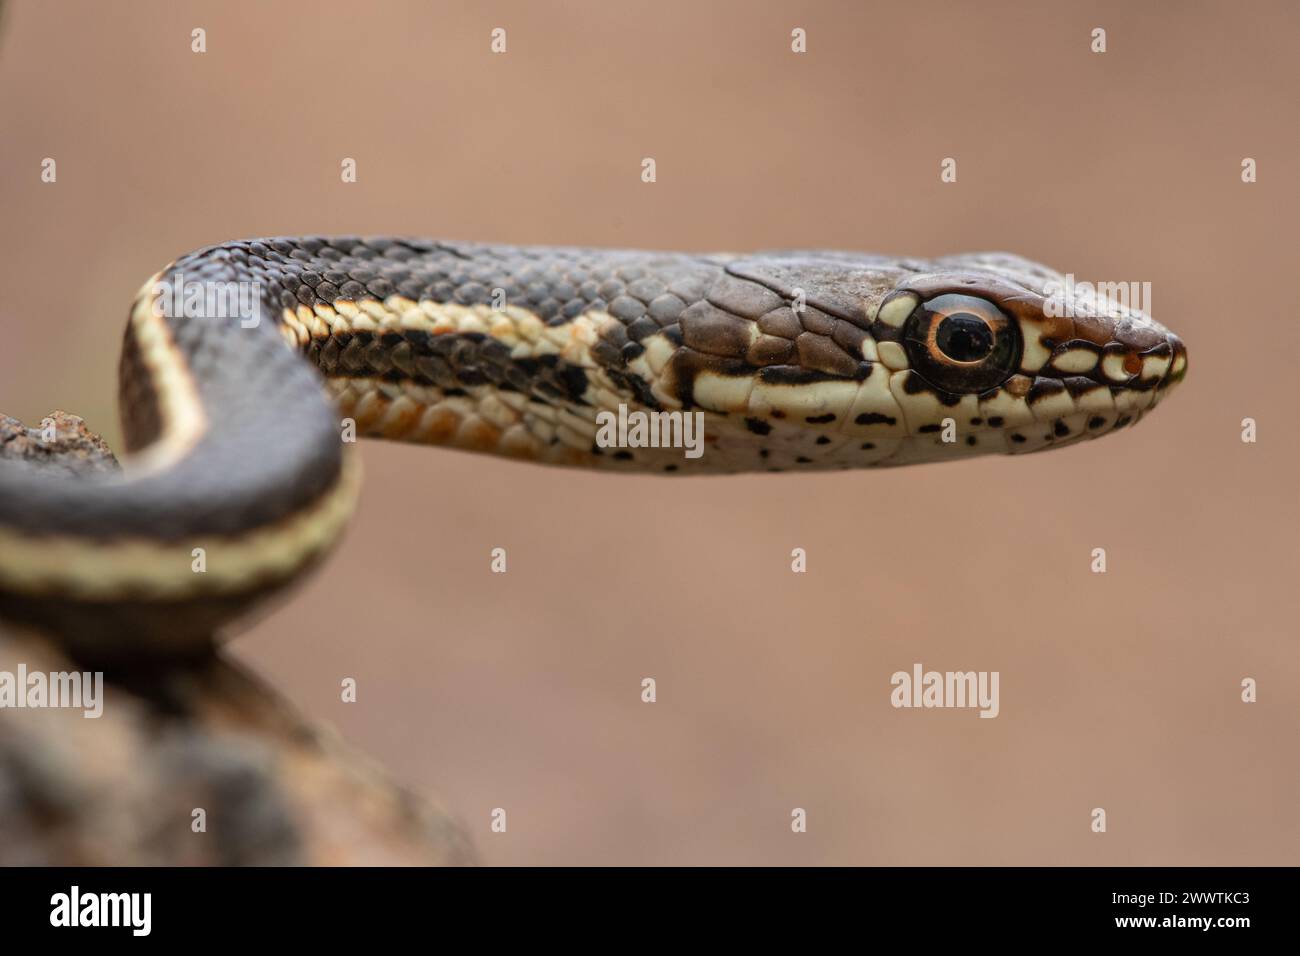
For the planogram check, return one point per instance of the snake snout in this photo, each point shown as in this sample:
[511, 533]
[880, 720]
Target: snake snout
[1177, 364]
[1168, 362]
[1143, 354]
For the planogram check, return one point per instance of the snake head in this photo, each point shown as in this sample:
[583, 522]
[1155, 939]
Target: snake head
[1013, 354]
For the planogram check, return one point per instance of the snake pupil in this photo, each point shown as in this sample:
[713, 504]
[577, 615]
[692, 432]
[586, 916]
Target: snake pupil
[964, 337]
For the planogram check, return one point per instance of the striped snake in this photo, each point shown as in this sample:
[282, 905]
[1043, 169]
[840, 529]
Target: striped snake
[791, 361]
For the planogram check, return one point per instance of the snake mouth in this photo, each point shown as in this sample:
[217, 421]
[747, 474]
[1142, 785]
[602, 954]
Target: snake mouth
[1157, 369]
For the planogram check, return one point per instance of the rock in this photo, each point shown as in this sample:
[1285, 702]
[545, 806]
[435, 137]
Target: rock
[122, 788]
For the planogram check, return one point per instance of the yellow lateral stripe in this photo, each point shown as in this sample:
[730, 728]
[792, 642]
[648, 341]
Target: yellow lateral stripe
[153, 570]
[183, 419]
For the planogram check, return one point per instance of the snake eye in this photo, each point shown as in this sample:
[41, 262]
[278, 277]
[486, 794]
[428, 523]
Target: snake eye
[964, 337]
[961, 343]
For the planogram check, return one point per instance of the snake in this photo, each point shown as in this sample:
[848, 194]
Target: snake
[248, 369]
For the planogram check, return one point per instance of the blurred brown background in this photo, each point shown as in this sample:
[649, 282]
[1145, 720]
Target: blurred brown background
[522, 690]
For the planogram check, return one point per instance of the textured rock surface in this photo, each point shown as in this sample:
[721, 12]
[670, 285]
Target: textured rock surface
[122, 789]
[73, 449]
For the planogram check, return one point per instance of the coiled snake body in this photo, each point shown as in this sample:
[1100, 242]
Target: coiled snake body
[795, 360]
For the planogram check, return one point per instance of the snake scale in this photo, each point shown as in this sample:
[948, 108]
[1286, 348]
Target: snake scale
[238, 420]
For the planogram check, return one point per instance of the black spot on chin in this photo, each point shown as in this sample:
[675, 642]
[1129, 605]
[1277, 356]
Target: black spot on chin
[1018, 439]
[758, 426]
[823, 440]
[1061, 429]
[1096, 421]
[874, 418]
[820, 419]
